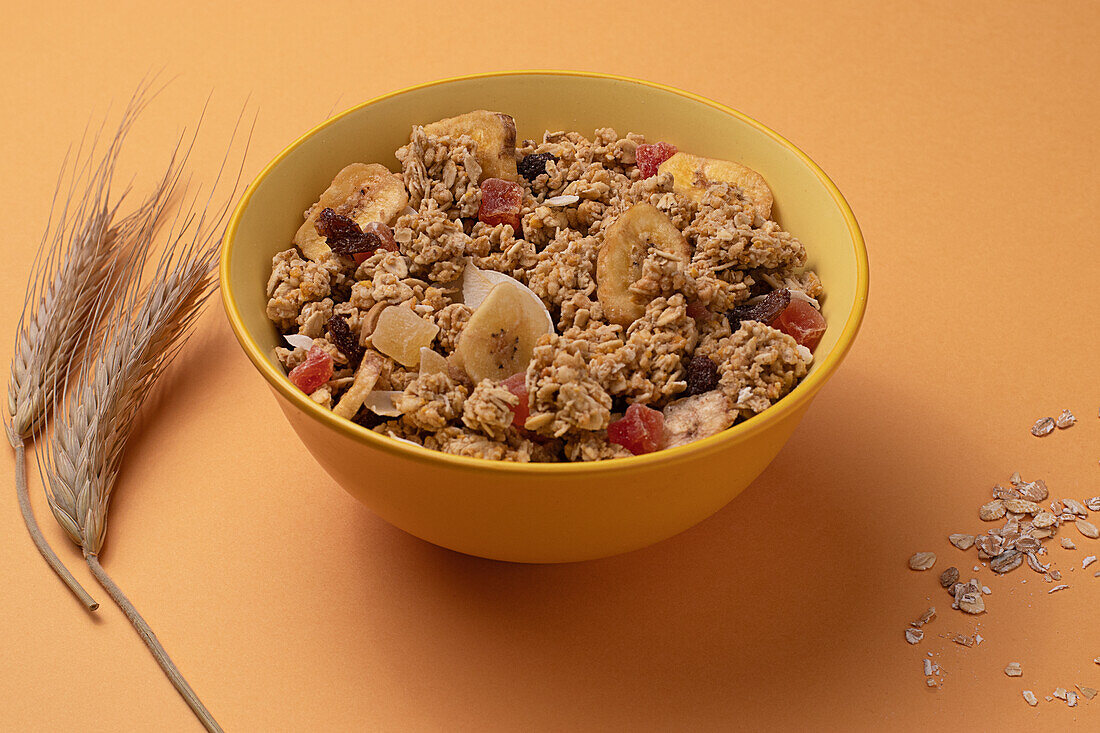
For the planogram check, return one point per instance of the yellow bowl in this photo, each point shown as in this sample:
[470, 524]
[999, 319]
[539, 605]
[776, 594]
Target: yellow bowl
[542, 512]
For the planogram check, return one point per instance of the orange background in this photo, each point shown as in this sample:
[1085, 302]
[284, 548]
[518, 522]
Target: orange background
[964, 137]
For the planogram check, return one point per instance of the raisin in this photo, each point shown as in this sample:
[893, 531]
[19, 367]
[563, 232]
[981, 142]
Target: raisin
[344, 236]
[766, 311]
[534, 165]
[702, 374]
[345, 339]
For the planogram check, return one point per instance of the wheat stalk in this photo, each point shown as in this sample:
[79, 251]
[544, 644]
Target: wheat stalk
[96, 405]
[74, 275]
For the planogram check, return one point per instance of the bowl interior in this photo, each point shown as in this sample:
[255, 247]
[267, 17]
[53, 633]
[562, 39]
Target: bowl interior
[806, 203]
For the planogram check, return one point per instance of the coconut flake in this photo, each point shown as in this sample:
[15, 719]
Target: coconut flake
[799, 295]
[476, 284]
[299, 340]
[566, 200]
[380, 402]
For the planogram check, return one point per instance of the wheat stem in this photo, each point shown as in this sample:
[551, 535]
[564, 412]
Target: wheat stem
[36, 533]
[151, 641]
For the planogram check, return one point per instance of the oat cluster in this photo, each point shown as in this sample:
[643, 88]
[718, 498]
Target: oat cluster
[584, 374]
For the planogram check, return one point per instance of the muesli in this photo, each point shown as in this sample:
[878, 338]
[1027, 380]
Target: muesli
[567, 299]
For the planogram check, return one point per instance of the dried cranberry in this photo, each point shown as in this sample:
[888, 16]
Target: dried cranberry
[534, 165]
[501, 202]
[312, 373]
[640, 430]
[766, 311]
[517, 385]
[649, 157]
[802, 322]
[702, 374]
[340, 333]
[345, 237]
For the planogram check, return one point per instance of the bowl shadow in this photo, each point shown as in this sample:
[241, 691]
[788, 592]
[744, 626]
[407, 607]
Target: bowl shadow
[738, 611]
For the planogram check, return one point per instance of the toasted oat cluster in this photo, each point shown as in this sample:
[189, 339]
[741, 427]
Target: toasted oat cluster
[566, 299]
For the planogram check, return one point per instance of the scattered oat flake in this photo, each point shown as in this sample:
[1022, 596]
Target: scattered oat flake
[1013, 670]
[1029, 696]
[1088, 529]
[928, 667]
[1068, 543]
[913, 636]
[1060, 693]
[1054, 574]
[922, 560]
[1042, 426]
[1093, 503]
[1071, 699]
[1057, 588]
[978, 639]
[1065, 420]
[930, 682]
[1088, 692]
[1088, 561]
[986, 590]
[962, 541]
[924, 618]
[963, 640]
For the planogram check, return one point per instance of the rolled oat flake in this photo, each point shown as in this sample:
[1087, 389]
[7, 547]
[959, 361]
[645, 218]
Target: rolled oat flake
[1065, 420]
[1043, 426]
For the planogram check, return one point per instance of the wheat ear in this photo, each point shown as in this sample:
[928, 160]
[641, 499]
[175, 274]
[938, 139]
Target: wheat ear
[74, 275]
[97, 408]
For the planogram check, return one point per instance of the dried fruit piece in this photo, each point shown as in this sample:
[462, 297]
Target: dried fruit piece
[649, 157]
[922, 560]
[992, 511]
[1042, 427]
[400, 334]
[962, 541]
[702, 374]
[361, 192]
[478, 283]
[366, 376]
[766, 311]
[697, 417]
[640, 430]
[345, 237]
[1064, 420]
[1088, 529]
[501, 202]
[692, 173]
[913, 636]
[802, 322]
[534, 165]
[1013, 669]
[517, 385]
[341, 335]
[495, 135]
[432, 362]
[627, 243]
[499, 339]
[949, 577]
[312, 373]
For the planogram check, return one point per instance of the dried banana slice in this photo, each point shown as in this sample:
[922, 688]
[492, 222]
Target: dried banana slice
[361, 191]
[499, 339]
[691, 173]
[495, 135]
[697, 417]
[627, 243]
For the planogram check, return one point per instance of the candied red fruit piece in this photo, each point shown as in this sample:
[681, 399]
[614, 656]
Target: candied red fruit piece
[517, 385]
[313, 372]
[650, 156]
[640, 430]
[501, 202]
[802, 322]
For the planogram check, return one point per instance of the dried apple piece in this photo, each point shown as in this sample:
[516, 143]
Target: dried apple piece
[400, 334]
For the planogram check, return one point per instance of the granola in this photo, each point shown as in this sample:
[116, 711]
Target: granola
[614, 339]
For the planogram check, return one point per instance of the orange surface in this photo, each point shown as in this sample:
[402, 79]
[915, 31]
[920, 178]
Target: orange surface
[962, 136]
